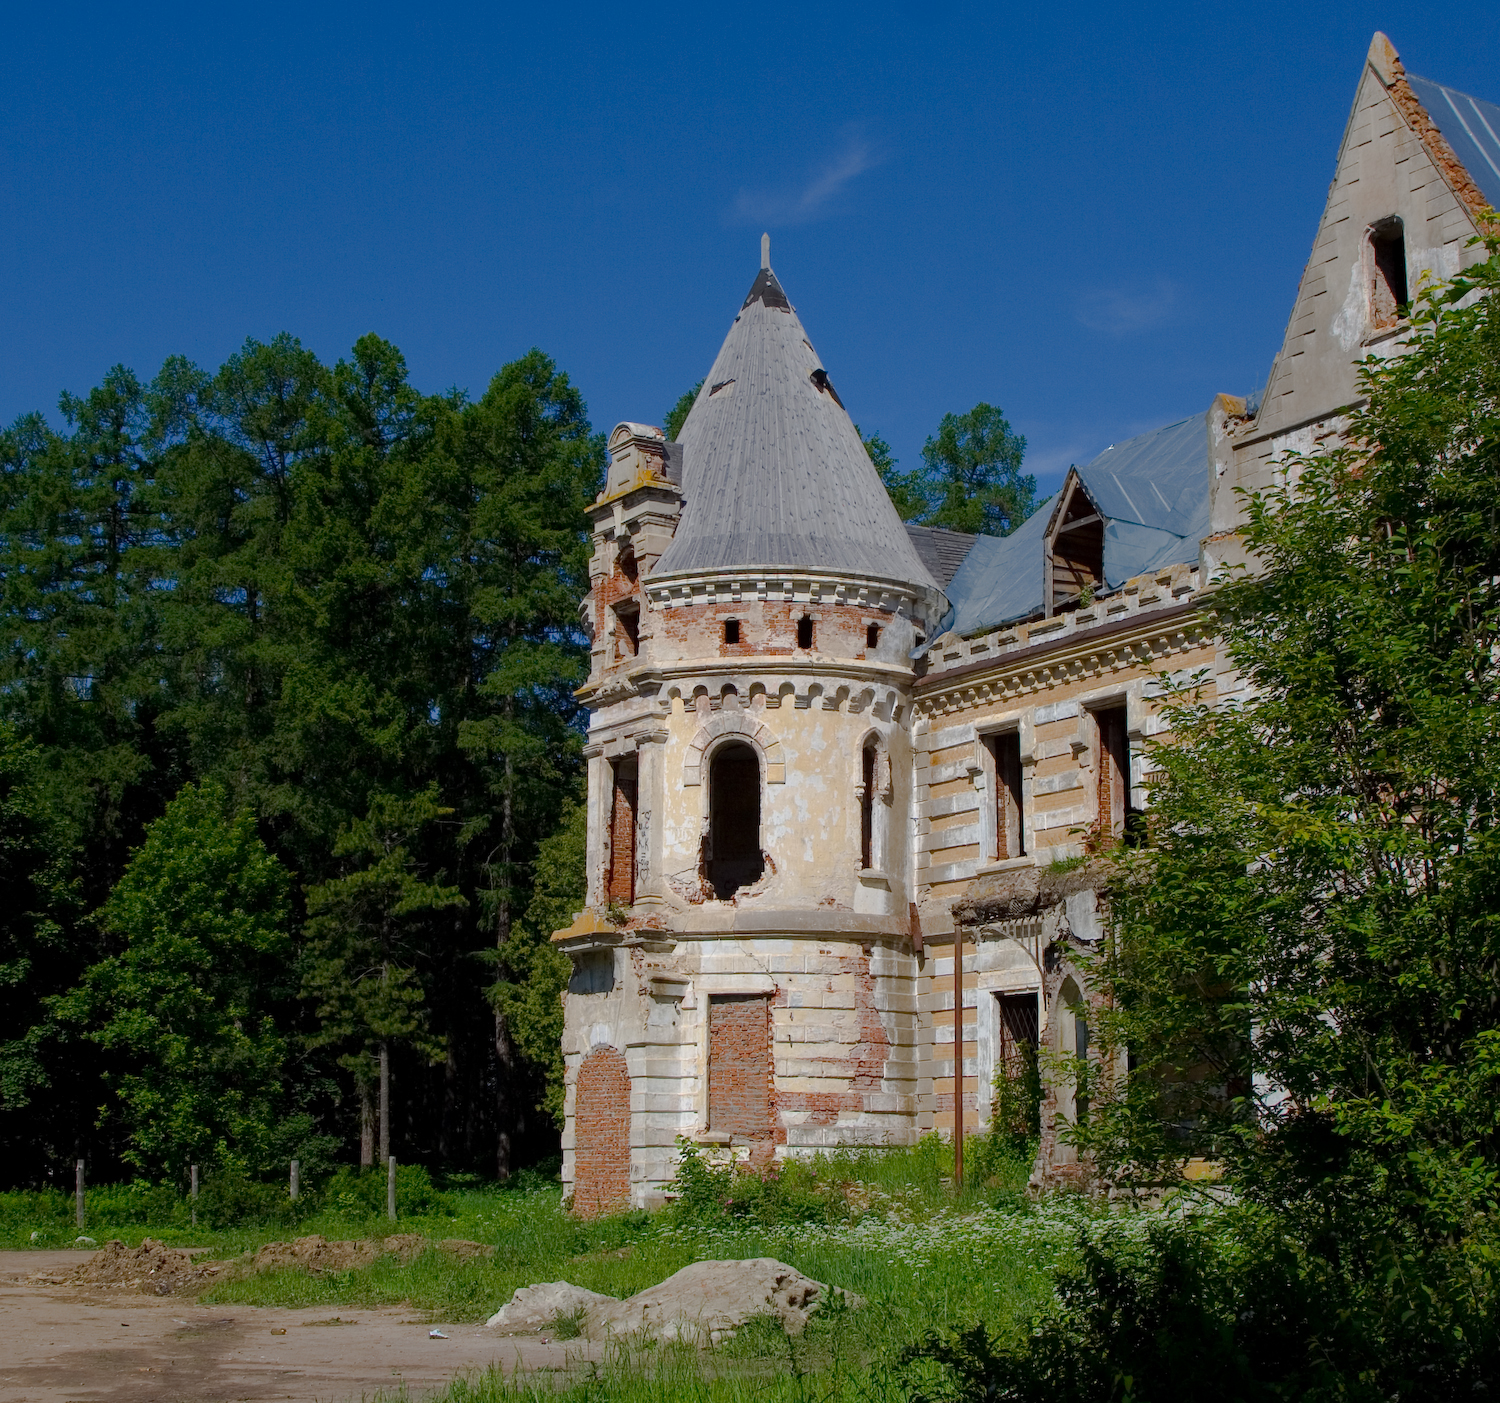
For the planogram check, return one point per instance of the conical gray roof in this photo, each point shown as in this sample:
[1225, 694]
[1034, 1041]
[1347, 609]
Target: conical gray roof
[774, 473]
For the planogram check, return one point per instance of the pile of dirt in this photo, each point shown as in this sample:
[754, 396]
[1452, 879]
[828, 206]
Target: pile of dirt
[152, 1268]
[315, 1253]
[318, 1254]
[705, 1302]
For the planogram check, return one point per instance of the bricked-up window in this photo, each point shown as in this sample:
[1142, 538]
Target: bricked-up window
[622, 833]
[731, 630]
[739, 1065]
[601, 1128]
[805, 632]
[734, 856]
[1112, 771]
[1388, 291]
[629, 631]
[1010, 816]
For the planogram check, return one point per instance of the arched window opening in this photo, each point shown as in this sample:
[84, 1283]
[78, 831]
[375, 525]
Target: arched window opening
[621, 884]
[734, 854]
[1388, 291]
[805, 631]
[867, 811]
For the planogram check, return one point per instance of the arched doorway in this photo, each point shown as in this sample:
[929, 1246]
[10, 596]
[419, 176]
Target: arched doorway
[735, 859]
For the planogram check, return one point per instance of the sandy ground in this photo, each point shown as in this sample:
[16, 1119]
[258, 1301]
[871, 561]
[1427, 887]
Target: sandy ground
[71, 1344]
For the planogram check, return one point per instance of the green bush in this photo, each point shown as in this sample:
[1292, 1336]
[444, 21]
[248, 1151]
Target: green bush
[228, 1199]
[1225, 1309]
[785, 1191]
[356, 1193]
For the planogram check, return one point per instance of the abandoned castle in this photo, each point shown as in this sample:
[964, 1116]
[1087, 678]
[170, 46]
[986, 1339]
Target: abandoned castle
[819, 738]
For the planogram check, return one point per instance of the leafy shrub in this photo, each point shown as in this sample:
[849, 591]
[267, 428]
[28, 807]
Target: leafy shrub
[229, 1199]
[1218, 1310]
[786, 1191]
[355, 1193]
[1016, 1114]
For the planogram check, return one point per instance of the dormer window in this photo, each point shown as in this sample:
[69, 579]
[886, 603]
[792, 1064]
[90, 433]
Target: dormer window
[805, 631]
[1075, 558]
[1388, 291]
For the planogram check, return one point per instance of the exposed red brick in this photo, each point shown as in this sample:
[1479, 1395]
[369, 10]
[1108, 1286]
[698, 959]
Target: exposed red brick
[601, 1128]
[863, 1069]
[739, 1066]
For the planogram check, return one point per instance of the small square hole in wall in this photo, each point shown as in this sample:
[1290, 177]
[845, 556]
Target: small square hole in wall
[805, 632]
[872, 635]
[731, 630]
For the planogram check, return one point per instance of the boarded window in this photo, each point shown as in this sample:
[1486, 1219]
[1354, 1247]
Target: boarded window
[805, 632]
[734, 858]
[1388, 291]
[622, 833]
[739, 1065]
[1112, 771]
[1010, 816]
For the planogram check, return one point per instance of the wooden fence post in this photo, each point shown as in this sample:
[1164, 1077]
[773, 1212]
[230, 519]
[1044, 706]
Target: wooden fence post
[390, 1189]
[78, 1193]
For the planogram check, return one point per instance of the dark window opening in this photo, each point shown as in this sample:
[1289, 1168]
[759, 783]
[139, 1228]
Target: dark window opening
[1388, 291]
[628, 566]
[734, 855]
[1010, 817]
[1114, 815]
[629, 632]
[805, 632]
[820, 379]
[1020, 1026]
[867, 811]
[621, 884]
[1077, 553]
[731, 630]
[872, 635]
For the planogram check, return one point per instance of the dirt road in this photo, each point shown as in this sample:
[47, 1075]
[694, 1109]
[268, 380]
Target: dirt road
[70, 1344]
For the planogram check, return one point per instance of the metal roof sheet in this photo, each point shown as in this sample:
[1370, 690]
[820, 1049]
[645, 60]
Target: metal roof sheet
[941, 551]
[774, 471]
[1471, 128]
[1152, 491]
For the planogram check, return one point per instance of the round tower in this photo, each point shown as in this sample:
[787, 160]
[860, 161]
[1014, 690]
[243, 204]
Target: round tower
[747, 953]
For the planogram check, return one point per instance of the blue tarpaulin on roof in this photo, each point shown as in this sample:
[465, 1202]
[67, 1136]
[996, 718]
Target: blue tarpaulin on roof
[1152, 492]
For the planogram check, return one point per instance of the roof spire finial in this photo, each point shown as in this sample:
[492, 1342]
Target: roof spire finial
[765, 250]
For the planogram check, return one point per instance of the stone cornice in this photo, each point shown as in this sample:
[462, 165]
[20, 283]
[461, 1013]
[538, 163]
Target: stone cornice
[1131, 642]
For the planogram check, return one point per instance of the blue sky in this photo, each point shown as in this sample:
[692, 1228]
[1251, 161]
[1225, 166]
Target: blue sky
[1092, 216]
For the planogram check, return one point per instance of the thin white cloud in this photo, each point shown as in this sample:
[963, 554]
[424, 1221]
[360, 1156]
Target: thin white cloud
[1122, 311]
[814, 199]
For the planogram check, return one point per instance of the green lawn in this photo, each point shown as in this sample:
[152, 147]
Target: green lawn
[886, 1225]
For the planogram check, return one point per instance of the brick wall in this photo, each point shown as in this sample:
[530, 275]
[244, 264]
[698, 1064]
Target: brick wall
[739, 1066]
[601, 1128]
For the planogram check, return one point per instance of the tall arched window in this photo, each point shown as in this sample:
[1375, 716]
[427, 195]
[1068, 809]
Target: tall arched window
[734, 855]
[874, 804]
[867, 809]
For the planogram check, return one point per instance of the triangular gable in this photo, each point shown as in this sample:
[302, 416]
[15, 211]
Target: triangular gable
[1397, 177]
